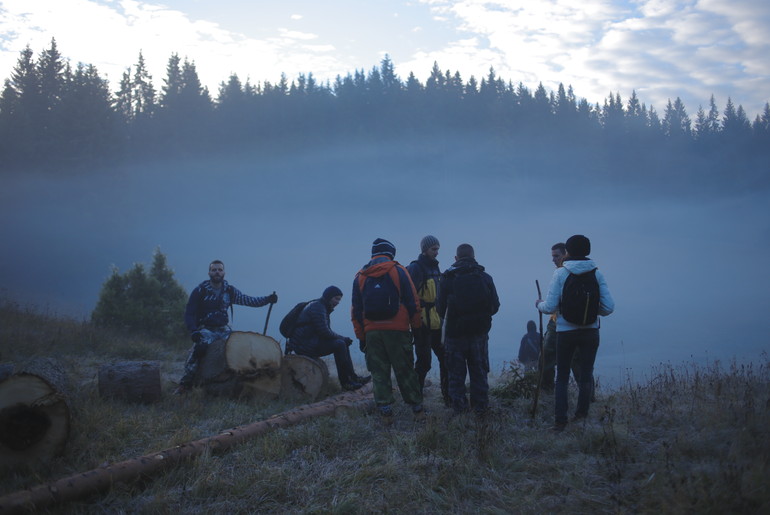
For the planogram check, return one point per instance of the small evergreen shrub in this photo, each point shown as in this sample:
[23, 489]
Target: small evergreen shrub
[151, 302]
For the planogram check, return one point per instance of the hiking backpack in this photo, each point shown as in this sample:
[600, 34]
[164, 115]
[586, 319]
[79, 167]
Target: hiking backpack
[289, 322]
[580, 298]
[472, 295]
[381, 295]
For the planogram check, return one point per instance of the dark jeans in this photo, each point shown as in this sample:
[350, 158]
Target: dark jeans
[424, 342]
[586, 341]
[342, 360]
[471, 354]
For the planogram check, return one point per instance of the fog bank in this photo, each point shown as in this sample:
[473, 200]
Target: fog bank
[685, 270]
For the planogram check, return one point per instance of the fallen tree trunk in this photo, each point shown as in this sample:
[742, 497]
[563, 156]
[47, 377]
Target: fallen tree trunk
[79, 485]
[34, 413]
[131, 381]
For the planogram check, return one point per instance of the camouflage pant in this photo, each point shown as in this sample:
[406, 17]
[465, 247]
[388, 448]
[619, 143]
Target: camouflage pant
[199, 350]
[386, 350]
[468, 354]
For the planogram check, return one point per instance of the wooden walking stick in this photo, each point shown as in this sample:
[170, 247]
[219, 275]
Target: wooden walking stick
[264, 331]
[541, 361]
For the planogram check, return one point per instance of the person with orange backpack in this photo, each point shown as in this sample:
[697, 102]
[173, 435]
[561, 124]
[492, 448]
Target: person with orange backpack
[385, 309]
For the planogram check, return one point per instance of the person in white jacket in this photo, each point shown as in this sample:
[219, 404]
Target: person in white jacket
[571, 336]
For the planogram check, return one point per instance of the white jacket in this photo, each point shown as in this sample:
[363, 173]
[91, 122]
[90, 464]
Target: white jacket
[553, 298]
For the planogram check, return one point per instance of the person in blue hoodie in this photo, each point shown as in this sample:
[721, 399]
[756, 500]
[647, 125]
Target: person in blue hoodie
[206, 316]
[571, 336]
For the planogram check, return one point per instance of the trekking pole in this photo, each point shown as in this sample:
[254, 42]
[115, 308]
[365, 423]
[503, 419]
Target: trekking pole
[541, 361]
[268, 316]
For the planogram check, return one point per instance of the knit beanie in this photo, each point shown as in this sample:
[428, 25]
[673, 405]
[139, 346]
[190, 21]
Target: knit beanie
[330, 292]
[578, 246]
[380, 246]
[428, 242]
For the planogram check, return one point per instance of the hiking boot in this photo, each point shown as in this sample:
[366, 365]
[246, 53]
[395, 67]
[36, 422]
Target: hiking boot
[181, 390]
[351, 386]
[363, 379]
[386, 415]
[419, 412]
[578, 417]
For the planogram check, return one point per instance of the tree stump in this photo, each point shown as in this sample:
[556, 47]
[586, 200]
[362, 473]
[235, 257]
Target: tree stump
[303, 378]
[34, 413]
[246, 364]
[131, 381]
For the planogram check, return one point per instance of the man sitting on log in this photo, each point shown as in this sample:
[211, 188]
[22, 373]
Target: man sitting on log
[313, 337]
[206, 316]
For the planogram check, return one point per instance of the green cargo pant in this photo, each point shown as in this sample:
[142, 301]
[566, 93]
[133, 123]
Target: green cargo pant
[386, 350]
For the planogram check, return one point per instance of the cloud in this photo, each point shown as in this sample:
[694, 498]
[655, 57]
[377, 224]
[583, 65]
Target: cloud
[663, 49]
[110, 36]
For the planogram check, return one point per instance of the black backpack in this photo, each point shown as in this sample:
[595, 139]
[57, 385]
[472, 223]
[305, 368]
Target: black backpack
[381, 296]
[289, 322]
[580, 298]
[472, 295]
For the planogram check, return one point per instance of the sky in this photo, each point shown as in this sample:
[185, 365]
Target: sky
[662, 49]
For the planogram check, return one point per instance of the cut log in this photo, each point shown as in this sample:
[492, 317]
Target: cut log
[303, 378]
[246, 364]
[34, 414]
[131, 381]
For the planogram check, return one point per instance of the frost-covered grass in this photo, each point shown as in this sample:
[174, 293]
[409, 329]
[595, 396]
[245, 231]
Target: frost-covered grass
[691, 439]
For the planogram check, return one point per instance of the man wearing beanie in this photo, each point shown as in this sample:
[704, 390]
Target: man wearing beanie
[426, 277]
[578, 275]
[467, 301]
[385, 308]
[313, 337]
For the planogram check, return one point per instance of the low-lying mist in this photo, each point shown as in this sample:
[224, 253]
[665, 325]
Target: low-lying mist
[685, 269]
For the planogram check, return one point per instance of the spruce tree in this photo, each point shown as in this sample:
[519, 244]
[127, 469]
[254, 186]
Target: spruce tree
[144, 303]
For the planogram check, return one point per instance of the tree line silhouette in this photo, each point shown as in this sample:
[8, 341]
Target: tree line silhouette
[55, 116]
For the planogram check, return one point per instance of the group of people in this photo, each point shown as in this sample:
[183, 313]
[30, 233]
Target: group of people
[403, 315]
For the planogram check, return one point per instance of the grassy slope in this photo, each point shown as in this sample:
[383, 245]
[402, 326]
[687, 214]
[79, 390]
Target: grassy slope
[690, 440]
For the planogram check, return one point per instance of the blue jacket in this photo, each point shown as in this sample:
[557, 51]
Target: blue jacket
[207, 307]
[553, 298]
[313, 325]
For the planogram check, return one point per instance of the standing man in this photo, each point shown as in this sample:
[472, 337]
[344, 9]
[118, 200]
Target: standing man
[426, 277]
[206, 316]
[385, 307]
[467, 301]
[579, 291]
[558, 253]
[313, 337]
